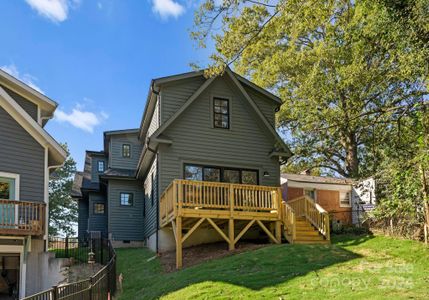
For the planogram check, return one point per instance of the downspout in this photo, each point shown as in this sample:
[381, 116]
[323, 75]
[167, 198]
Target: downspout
[157, 205]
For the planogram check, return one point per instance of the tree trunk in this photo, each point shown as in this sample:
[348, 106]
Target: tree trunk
[352, 160]
[425, 192]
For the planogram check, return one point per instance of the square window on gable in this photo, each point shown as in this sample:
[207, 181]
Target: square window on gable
[221, 113]
[126, 150]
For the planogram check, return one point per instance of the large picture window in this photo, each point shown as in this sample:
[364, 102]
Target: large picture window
[221, 174]
[221, 113]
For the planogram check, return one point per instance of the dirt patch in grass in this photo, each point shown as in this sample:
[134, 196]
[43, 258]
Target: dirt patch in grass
[201, 253]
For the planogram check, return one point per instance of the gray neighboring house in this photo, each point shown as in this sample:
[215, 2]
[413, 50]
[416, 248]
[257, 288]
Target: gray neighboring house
[208, 129]
[28, 155]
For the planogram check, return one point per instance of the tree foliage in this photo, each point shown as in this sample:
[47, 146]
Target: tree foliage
[62, 208]
[348, 71]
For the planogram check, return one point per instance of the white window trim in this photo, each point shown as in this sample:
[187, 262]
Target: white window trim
[16, 178]
[350, 199]
[312, 190]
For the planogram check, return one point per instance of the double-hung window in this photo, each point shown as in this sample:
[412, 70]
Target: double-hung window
[221, 113]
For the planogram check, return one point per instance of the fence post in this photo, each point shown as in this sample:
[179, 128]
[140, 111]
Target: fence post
[90, 288]
[101, 251]
[67, 247]
[55, 292]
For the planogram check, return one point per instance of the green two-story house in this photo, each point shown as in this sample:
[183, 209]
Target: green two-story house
[201, 143]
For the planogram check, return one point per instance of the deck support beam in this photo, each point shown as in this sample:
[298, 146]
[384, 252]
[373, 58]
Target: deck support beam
[188, 234]
[231, 242]
[270, 235]
[218, 230]
[179, 242]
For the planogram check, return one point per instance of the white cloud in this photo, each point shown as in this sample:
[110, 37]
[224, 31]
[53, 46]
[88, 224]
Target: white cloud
[26, 78]
[167, 8]
[80, 118]
[54, 10]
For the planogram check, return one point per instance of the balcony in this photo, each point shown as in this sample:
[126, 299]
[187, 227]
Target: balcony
[22, 217]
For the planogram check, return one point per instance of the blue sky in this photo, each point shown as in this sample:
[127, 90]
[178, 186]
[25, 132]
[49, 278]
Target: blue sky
[96, 58]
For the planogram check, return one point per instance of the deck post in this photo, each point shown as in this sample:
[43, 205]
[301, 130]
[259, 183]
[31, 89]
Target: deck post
[231, 234]
[278, 232]
[179, 242]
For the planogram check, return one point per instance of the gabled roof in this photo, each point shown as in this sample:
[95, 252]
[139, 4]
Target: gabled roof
[252, 104]
[108, 134]
[56, 153]
[45, 103]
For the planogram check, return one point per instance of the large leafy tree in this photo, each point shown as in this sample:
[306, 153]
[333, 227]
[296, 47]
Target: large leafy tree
[62, 208]
[347, 70]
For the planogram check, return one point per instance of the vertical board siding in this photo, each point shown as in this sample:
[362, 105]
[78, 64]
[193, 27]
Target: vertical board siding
[115, 156]
[125, 222]
[82, 218]
[28, 106]
[174, 95]
[150, 220]
[246, 145]
[97, 222]
[20, 153]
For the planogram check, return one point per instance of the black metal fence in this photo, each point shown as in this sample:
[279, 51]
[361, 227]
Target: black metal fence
[100, 286]
[79, 249]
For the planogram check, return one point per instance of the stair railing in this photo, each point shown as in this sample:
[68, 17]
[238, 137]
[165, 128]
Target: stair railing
[289, 221]
[304, 206]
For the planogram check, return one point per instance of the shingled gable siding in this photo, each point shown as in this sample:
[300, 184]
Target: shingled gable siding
[125, 222]
[28, 106]
[115, 156]
[246, 145]
[20, 153]
[175, 94]
[97, 222]
[150, 221]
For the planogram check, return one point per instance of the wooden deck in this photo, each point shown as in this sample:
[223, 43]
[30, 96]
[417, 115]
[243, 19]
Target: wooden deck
[22, 218]
[232, 209]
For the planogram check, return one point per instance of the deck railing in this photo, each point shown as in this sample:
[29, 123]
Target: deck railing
[218, 196]
[22, 217]
[306, 207]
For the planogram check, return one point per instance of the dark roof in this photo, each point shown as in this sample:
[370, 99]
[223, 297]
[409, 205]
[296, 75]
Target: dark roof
[113, 172]
[77, 185]
[87, 183]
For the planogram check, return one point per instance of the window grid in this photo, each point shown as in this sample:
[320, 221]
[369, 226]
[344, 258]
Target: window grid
[221, 113]
[99, 208]
[126, 150]
[100, 166]
[126, 199]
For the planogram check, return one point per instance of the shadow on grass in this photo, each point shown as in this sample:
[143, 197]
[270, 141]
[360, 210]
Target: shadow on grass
[255, 270]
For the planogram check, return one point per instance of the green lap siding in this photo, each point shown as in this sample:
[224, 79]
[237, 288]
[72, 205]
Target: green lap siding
[125, 222]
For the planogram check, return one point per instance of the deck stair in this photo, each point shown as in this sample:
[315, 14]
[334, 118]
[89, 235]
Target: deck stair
[305, 222]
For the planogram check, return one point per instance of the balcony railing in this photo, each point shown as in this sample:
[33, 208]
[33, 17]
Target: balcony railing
[22, 217]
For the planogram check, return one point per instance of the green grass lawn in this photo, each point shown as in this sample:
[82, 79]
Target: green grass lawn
[353, 267]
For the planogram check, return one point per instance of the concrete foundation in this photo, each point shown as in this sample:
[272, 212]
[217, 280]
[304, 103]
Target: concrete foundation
[131, 244]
